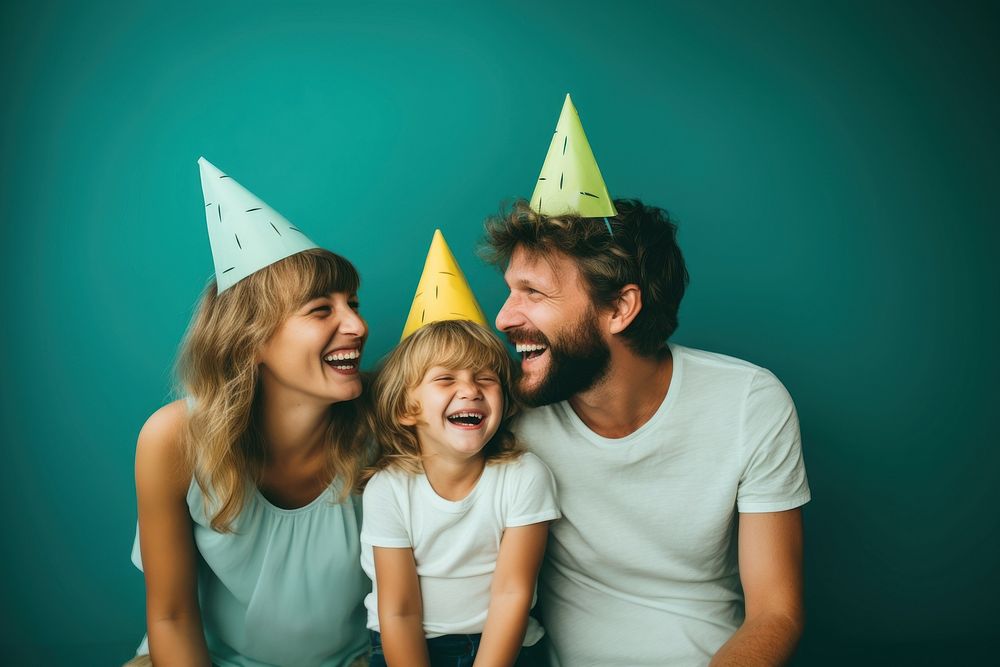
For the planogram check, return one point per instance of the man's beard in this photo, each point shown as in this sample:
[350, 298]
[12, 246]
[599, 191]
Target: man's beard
[577, 362]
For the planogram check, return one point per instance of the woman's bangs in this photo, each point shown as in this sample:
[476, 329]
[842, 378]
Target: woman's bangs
[319, 273]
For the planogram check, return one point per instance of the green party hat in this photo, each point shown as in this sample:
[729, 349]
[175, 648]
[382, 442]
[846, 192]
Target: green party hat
[570, 181]
[246, 234]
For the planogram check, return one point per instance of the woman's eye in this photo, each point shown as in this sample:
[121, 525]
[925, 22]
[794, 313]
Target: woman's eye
[323, 310]
[355, 305]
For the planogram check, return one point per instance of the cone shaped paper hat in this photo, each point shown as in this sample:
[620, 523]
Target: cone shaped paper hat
[443, 292]
[246, 234]
[570, 181]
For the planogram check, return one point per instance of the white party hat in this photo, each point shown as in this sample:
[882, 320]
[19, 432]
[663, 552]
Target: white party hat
[246, 234]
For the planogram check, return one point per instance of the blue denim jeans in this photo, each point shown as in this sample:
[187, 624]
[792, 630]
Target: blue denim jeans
[460, 651]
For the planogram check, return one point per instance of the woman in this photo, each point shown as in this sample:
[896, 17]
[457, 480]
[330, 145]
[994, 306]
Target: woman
[248, 529]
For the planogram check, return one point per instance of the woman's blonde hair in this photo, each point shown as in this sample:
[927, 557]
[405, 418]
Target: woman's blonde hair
[454, 344]
[218, 369]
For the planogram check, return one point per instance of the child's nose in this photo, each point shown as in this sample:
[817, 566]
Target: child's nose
[470, 389]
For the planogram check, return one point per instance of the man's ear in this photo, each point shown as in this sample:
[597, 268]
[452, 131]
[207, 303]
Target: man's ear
[625, 308]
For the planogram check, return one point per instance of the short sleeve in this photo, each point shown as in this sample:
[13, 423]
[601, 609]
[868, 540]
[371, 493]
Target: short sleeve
[385, 516]
[774, 474]
[531, 493]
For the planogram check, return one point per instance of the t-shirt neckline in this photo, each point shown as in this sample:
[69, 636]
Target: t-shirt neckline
[677, 353]
[453, 506]
[325, 493]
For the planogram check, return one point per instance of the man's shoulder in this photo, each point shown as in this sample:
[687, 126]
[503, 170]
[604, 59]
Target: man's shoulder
[724, 362]
[720, 367]
[736, 380]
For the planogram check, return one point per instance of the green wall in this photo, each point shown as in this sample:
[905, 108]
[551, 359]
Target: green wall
[834, 168]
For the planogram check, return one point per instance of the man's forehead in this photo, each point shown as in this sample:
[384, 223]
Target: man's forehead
[541, 267]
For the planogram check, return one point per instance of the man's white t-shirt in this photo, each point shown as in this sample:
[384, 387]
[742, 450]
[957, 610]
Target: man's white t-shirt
[642, 569]
[455, 543]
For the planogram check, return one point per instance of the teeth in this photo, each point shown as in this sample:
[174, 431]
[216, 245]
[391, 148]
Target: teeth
[528, 347]
[341, 356]
[466, 414]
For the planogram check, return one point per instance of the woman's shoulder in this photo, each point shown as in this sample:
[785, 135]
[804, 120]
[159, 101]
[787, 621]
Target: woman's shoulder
[173, 415]
[162, 431]
[159, 451]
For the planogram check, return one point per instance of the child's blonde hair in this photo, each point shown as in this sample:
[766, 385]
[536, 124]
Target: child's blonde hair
[454, 344]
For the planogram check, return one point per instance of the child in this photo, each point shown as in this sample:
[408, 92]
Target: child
[456, 517]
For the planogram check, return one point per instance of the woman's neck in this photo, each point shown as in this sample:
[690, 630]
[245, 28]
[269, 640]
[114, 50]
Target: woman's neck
[453, 479]
[294, 428]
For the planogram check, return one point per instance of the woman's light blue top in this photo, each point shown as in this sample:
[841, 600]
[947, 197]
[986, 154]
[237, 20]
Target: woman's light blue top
[285, 588]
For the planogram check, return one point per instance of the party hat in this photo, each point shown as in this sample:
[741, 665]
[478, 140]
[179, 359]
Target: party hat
[246, 234]
[443, 293]
[570, 181]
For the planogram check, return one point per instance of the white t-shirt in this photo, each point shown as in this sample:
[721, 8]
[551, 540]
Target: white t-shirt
[642, 569]
[455, 544]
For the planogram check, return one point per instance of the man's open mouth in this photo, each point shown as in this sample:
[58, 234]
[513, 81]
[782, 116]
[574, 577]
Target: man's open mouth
[530, 350]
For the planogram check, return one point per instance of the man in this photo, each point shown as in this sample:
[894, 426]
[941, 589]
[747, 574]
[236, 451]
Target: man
[679, 472]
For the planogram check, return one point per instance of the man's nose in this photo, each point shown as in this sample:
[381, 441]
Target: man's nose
[508, 317]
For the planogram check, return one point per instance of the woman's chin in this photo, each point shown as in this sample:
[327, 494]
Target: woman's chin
[346, 392]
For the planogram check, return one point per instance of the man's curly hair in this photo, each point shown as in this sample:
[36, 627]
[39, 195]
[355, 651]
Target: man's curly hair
[641, 249]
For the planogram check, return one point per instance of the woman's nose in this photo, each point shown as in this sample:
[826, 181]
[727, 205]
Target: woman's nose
[352, 323]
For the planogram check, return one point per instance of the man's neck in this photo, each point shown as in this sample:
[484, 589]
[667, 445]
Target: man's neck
[628, 396]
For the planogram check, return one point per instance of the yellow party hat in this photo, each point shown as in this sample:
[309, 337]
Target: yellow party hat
[443, 292]
[570, 181]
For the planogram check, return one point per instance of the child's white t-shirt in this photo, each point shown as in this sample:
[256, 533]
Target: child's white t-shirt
[455, 544]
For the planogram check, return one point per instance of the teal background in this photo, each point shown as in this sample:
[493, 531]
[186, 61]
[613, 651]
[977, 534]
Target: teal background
[833, 167]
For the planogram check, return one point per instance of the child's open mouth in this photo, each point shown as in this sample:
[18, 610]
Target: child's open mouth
[467, 418]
